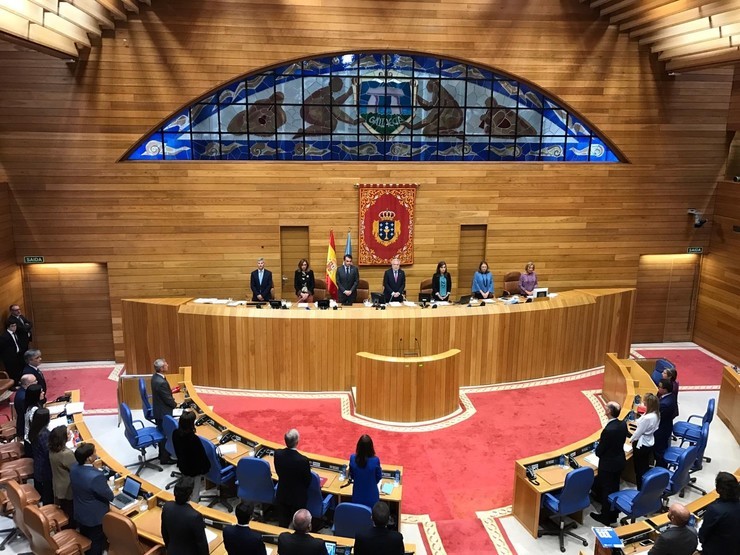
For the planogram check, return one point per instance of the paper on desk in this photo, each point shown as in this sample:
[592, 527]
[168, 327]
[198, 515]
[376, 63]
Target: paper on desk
[442, 303]
[55, 409]
[205, 300]
[177, 413]
[57, 422]
[592, 459]
[269, 550]
[210, 536]
[628, 448]
[74, 408]
[303, 305]
[394, 303]
[488, 301]
[220, 301]
[409, 303]
[227, 449]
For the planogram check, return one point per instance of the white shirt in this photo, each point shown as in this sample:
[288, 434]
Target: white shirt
[646, 426]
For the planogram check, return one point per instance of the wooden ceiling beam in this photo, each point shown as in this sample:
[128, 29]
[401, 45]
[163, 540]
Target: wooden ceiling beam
[706, 46]
[686, 40]
[95, 10]
[677, 30]
[66, 29]
[703, 61]
[79, 18]
[639, 11]
[115, 7]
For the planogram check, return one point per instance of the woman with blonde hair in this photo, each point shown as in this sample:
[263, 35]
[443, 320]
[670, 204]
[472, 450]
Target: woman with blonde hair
[528, 280]
[643, 440]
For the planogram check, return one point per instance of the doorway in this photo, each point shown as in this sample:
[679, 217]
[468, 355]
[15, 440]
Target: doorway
[294, 245]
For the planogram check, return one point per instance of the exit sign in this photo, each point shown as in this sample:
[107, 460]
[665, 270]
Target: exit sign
[33, 259]
[695, 250]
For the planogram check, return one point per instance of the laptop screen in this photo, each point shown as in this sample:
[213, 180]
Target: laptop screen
[131, 487]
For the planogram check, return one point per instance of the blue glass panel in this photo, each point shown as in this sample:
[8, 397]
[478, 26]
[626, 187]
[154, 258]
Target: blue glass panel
[201, 112]
[423, 150]
[528, 123]
[398, 148]
[262, 148]
[577, 149]
[528, 148]
[476, 150]
[204, 148]
[503, 150]
[286, 148]
[177, 146]
[451, 68]
[476, 123]
[346, 62]
[450, 150]
[554, 122]
[236, 93]
[371, 62]
[235, 149]
[611, 157]
[426, 64]
[478, 74]
[313, 149]
[577, 127]
[505, 93]
[179, 122]
[149, 149]
[553, 149]
[599, 151]
[529, 97]
[260, 82]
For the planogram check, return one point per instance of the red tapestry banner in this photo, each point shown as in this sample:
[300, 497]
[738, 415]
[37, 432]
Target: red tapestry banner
[386, 223]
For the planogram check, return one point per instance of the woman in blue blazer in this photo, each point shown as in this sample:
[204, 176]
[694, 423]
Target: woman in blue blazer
[364, 469]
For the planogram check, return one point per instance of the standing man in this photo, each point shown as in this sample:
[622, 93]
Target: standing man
[668, 410]
[183, 528]
[394, 282]
[19, 403]
[261, 282]
[33, 361]
[721, 521]
[677, 539]
[612, 461]
[24, 327]
[379, 539]
[348, 278]
[10, 351]
[91, 496]
[300, 542]
[294, 477]
[162, 404]
[239, 538]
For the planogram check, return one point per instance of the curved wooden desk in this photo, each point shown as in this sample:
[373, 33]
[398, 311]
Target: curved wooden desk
[623, 379]
[407, 389]
[314, 350]
[728, 408]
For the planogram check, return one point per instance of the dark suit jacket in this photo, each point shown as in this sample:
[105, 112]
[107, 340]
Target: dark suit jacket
[378, 540]
[90, 493]
[19, 402]
[242, 540]
[347, 282]
[11, 355]
[162, 400]
[28, 369]
[611, 446]
[294, 477]
[720, 529]
[392, 285]
[23, 331]
[183, 530]
[668, 410]
[675, 540]
[300, 544]
[261, 288]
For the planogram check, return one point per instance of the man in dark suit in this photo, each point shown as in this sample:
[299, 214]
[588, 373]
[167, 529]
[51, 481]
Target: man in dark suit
[394, 282]
[183, 528]
[19, 403]
[300, 542]
[24, 327]
[668, 410]
[612, 461]
[720, 528]
[294, 477]
[162, 404]
[33, 362]
[348, 278]
[261, 282]
[10, 351]
[677, 539]
[379, 539]
[239, 539]
[91, 496]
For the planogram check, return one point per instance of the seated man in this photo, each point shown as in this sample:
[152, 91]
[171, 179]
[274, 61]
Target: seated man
[239, 539]
[183, 528]
[677, 539]
[300, 542]
[379, 539]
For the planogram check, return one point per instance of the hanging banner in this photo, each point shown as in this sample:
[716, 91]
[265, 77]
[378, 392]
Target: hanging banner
[386, 223]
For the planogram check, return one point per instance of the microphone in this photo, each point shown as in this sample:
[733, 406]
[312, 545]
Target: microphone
[418, 347]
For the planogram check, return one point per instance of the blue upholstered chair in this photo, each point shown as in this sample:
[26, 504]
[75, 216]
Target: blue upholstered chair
[571, 499]
[317, 504]
[219, 474]
[680, 477]
[146, 403]
[691, 431]
[254, 481]
[169, 425]
[646, 501]
[139, 438]
[350, 518]
[660, 365]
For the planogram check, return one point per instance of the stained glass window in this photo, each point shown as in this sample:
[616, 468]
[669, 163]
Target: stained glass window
[376, 107]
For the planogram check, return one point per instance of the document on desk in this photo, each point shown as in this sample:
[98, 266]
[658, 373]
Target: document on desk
[205, 300]
[627, 448]
[227, 449]
[177, 413]
[57, 422]
[55, 409]
[592, 459]
[394, 303]
[210, 536]
[607, 537]
[74, 408]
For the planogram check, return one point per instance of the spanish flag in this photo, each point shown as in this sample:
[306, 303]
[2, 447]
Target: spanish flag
[331, 268]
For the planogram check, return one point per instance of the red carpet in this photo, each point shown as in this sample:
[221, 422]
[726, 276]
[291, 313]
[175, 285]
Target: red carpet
[693, 366]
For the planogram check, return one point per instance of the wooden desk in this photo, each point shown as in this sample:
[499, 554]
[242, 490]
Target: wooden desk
[623, 379]
[407, 389]
[315, 350]
[728, 408]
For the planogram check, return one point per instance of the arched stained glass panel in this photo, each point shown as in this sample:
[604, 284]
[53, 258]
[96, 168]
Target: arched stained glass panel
[376, 107]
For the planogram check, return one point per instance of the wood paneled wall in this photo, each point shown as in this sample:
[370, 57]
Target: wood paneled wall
[717, 325]
[11, 285]
[192, 229]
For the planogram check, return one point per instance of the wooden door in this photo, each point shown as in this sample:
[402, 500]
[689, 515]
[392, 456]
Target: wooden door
[472, 251]
[666, 298]
[69, 305]
[293, 247]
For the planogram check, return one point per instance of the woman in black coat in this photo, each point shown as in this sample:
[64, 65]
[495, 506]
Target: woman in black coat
[192, 460]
